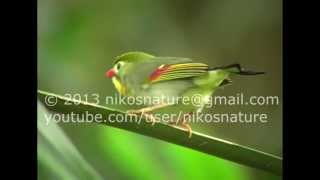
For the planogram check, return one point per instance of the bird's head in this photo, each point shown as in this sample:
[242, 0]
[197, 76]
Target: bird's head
[121, 67]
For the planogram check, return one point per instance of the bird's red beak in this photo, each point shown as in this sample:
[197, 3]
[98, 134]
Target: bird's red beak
[110, 73]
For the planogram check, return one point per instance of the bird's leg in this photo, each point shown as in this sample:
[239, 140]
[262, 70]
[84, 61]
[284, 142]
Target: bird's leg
[150, 118]
[146, 112]
[183, 124]
[187, 127]
[147, 109]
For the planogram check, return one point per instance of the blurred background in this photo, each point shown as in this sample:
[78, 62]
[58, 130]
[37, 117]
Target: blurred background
[78, 40]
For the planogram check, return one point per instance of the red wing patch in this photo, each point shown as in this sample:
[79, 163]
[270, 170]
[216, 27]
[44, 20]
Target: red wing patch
[176, 71]
[157, 73]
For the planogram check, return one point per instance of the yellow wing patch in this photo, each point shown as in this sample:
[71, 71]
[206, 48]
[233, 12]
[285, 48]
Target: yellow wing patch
[176, 71]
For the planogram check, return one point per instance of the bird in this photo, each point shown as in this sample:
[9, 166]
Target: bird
[140, 74]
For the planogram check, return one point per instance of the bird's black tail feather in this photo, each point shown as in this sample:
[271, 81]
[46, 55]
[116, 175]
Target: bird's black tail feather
[237, 69]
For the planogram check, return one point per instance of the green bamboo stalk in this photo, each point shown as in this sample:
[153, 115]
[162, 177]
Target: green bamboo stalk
[200, 142]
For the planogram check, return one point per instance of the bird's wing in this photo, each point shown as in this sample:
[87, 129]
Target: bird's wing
[171, 71]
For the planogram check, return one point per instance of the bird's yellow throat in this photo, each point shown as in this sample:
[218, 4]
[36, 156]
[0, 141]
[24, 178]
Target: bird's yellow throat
[120, 87]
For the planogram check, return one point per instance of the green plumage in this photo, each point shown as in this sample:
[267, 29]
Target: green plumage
[140, 74]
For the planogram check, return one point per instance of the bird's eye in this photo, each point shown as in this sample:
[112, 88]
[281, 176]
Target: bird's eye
[118, 66]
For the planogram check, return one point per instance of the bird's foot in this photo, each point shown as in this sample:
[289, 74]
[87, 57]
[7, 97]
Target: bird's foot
[147, 109]
[188, 128]
[134, 111]
[183, 123]
[184, 126]
[148, 117]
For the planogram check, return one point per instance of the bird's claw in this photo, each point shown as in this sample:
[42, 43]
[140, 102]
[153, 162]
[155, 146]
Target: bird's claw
[190, 133]
[134, 112]
[149, 117]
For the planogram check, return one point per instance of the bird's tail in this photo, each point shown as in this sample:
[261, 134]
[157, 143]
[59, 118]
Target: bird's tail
[236, 69]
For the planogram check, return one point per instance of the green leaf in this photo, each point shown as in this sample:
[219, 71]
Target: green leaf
[200, 142]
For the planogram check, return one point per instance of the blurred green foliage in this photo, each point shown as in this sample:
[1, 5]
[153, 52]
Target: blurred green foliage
[57, 154]
[78, 39]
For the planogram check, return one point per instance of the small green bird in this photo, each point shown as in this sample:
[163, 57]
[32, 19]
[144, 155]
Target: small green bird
[138, 74]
